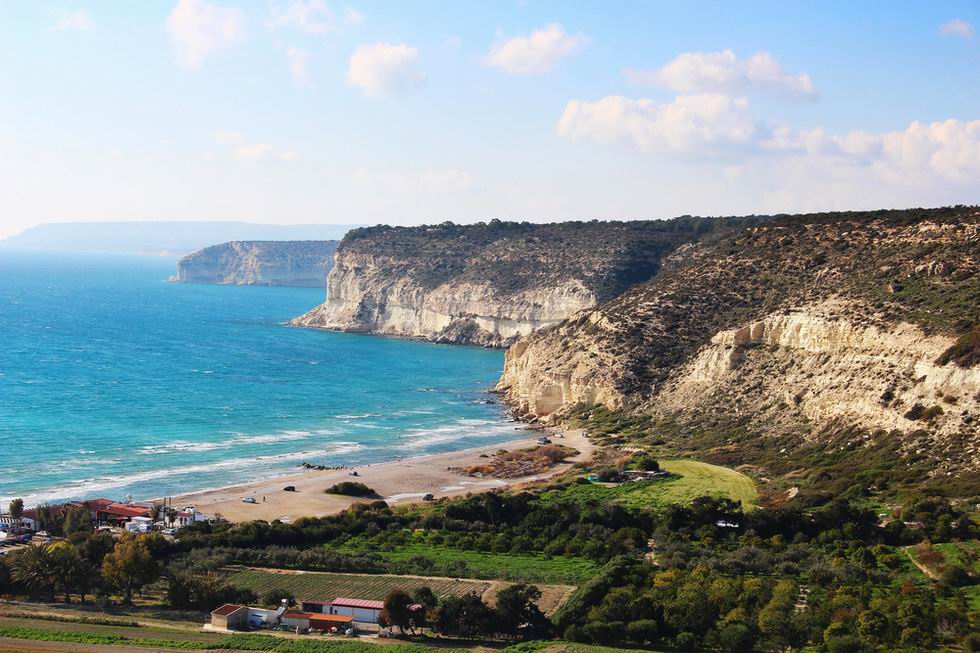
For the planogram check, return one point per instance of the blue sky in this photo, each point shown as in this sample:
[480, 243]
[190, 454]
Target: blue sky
[297, 111]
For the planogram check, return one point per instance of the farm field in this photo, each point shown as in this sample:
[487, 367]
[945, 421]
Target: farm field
[515, 567]
[965, 554]
[696, 479]
[325, 586]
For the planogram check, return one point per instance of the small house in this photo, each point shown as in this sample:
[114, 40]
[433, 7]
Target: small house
[230, 617]
[360, 610]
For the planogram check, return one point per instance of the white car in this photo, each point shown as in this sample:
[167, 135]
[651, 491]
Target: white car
[249, 500]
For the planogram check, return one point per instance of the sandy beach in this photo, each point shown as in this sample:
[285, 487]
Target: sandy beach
[398, 482]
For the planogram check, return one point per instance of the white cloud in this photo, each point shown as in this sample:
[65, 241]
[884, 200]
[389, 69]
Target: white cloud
[312, 17]
[199, 29]
[698, 124]
[385, 69]
[957, 27]
[240, 148]
[298, 60]
[716, 126]
[73, 21]
[535, 53]
[723, 72]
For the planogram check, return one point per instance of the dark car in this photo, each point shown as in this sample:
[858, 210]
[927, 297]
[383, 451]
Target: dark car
[428, 497]
[289, 488]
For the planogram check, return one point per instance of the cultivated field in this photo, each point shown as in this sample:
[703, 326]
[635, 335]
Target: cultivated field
[326, 586]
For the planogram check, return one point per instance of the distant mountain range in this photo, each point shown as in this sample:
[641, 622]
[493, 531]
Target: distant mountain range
[162, 238]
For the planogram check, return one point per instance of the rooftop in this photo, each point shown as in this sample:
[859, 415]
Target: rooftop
[227, 609]
[358, 603]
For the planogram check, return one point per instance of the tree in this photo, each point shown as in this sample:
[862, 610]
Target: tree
[77, 520]
[517, 609]
[16, 510]
[736, 638]
[425, 597]
[32, 569]
[69, 569]
[464, 616]
[129, 567]
[276, 595]
[397, 610]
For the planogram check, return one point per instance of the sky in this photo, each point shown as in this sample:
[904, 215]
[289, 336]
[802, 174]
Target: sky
[318, 111]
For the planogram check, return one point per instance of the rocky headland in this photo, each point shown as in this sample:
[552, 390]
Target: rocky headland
[262, 263]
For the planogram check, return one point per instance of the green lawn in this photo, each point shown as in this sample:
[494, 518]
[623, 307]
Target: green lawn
[506, 566]
[695, 479]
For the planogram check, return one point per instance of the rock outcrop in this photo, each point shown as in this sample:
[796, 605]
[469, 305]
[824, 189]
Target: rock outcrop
[488, 284]
[803, 325]
[261, 263]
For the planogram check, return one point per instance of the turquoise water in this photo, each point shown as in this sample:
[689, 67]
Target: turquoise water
[114, 383]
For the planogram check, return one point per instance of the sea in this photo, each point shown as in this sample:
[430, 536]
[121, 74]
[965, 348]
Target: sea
[115, 383]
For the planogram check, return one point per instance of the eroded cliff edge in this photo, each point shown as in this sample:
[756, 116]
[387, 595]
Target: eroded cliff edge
[489, 284]
[302, 263]
[802, 330]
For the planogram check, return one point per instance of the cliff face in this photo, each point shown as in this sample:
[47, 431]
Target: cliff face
[262, 263]
[487, 284]
[805, 325]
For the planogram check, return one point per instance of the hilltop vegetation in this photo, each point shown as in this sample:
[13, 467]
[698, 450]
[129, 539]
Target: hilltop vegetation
[783, 344]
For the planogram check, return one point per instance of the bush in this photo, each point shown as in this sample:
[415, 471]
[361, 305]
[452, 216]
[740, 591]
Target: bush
[735, 638]
[685, 641]
[971, 643]
[275, 596]
[845, 644]
[351, 489]
[643, 631]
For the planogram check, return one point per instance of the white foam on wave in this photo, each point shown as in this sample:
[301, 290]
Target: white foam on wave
[466, 428]
[87, 488]
[181, 446]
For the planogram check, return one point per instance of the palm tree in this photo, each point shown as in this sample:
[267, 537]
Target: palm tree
[32, 568]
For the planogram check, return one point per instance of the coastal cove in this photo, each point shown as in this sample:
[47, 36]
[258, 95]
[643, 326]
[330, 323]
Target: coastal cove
[114, 383]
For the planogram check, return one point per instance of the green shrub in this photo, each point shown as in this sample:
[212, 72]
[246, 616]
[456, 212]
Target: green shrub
[351, 489]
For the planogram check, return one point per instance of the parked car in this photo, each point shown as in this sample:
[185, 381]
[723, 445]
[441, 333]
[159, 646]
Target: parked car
[289, 488]
[429, 497]
[249, 500]
[544, 440]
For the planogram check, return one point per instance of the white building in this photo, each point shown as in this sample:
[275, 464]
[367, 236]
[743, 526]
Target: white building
[139, 525]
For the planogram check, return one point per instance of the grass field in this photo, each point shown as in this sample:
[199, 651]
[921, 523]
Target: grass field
[965, 554]
[504, 566]
[326, 586]
[696, 479]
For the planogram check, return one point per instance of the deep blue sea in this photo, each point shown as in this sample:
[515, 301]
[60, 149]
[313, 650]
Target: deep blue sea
[115, 383]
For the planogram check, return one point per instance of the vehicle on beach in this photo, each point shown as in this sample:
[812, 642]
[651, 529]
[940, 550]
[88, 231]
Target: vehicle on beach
[428, 497]
[249, 500]
[544, 440]
[289, 488]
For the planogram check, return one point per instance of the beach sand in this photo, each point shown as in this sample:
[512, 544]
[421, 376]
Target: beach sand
[399, 482]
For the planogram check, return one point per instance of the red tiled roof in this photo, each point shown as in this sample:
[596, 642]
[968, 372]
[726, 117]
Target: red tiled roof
[358, 603]
[124, 510]
[227, 609]
[297, 615]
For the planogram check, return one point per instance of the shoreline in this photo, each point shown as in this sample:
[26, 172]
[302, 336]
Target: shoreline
[402, 481]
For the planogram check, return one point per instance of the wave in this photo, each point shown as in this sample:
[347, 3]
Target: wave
[89, 487]
[180, 446]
